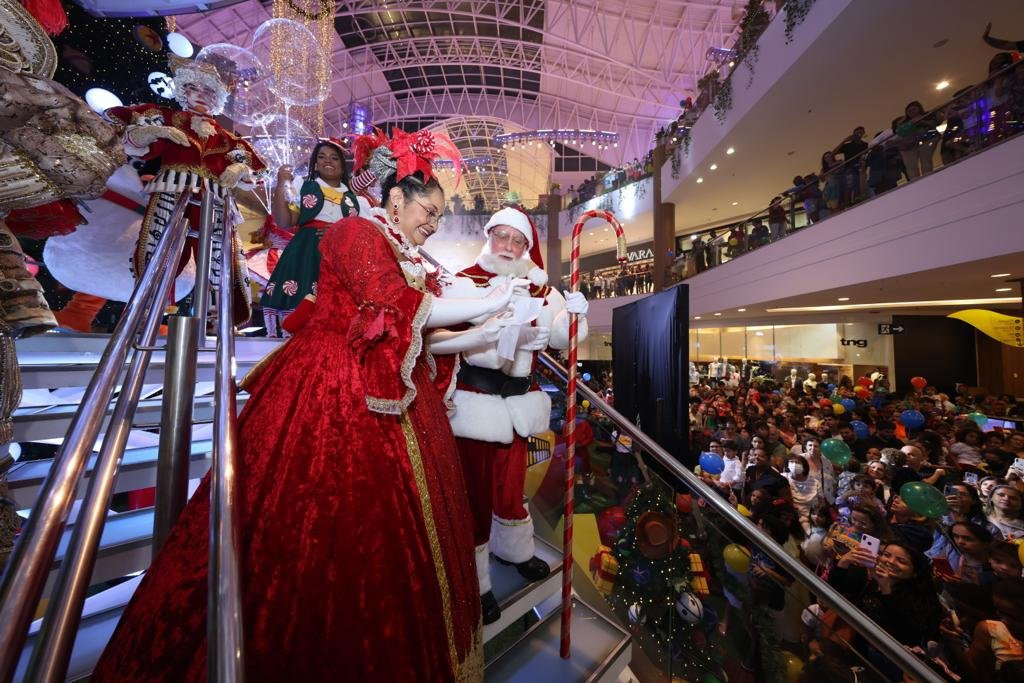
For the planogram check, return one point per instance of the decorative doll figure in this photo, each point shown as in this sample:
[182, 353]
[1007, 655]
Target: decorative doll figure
[196, 154]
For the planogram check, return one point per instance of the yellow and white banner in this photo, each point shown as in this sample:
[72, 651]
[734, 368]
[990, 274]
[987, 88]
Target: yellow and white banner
[1007, 329]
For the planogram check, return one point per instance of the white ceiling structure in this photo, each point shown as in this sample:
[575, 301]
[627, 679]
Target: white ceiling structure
[862, 70]
[514, 65]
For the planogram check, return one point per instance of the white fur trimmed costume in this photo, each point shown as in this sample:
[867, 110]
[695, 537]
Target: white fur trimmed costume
[497, 407]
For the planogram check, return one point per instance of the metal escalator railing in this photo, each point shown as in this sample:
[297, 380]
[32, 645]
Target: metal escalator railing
[825, 593]
[26, 574]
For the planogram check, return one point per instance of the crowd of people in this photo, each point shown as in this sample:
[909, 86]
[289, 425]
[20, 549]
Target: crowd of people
[600, 183]
[909, 504]
[859, 168]
[622, 281]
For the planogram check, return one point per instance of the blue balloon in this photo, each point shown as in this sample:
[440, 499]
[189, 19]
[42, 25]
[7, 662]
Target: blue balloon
[711, 463]
[912, 419]
[586, 376]
[848, 403]
[831, 387]
[860, 430]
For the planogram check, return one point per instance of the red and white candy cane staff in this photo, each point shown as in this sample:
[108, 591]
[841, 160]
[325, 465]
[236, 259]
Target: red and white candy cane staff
[570, 437]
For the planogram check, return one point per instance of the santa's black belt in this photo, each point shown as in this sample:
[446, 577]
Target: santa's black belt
[493, 381]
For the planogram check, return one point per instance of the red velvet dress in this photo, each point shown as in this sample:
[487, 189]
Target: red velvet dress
[356, 546]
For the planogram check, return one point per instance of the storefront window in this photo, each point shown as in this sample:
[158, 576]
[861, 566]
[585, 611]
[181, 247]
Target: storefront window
[829, 351]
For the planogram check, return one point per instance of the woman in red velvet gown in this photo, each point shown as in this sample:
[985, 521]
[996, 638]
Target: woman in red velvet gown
[356, 549]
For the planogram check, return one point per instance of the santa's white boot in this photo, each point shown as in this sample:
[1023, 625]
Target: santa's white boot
[512, 543]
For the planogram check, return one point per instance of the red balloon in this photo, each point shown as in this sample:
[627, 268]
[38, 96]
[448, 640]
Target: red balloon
[865, 382]
[860, 391]
[824, 403]
[919, 382]
[684, 503]
[609, 522]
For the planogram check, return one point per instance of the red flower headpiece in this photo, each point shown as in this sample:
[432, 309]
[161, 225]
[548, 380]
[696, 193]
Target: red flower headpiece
[409, 152]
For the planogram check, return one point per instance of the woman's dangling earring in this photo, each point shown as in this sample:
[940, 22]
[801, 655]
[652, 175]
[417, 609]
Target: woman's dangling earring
[394, 214]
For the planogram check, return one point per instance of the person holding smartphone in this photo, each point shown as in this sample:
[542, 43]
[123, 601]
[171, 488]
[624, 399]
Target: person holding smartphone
[896, 592]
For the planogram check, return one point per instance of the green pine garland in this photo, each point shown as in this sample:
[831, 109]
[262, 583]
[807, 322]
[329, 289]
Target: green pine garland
[722, 101]
[755, 20]
[796, 11]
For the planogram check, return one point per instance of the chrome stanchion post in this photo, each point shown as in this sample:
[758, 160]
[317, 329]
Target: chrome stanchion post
[30, 563]
[175, 424]
[52, 650]
[201, 291]
[225, 660]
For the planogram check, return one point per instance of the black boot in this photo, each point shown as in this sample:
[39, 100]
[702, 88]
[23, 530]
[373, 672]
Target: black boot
[489, 607]
[533, 569]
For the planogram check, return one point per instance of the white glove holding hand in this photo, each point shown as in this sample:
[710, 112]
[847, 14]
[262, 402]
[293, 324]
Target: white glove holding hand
[498, 298]
[576, 303]
[490, 330]
[233, 174]
[533, 338]
[144, 136]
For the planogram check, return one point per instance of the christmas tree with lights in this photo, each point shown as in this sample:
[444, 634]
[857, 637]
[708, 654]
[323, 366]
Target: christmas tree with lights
[660, 587]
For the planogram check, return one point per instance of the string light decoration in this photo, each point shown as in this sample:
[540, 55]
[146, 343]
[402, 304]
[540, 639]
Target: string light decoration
[472, 163]
[654, 587]
[567, 136]
[318, 17]
[107, 53]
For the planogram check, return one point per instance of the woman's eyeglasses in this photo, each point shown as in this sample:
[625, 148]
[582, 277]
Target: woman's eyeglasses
[433, 215]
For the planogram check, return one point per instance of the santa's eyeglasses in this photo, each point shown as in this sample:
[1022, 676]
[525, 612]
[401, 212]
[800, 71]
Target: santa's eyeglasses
[510, 236]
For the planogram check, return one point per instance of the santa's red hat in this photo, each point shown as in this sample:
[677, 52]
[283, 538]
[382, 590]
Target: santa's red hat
[519, 220]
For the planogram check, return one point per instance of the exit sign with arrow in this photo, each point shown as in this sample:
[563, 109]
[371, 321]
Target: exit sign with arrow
[887, 328]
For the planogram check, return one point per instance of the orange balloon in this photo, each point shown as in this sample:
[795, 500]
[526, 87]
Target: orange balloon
[838, 408]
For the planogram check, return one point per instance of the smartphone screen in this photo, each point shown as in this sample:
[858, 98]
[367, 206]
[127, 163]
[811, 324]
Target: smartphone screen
[971, 478]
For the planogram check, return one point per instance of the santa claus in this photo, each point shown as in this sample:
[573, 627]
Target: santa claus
[497, 404]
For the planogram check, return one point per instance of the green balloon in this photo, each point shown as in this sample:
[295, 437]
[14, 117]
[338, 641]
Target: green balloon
[924, 499]
[980, 419]
[835, 398]
[836, 450]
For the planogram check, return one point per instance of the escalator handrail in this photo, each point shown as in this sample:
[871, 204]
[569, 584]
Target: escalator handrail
[846, 610]
[29, 564]
[225, 636]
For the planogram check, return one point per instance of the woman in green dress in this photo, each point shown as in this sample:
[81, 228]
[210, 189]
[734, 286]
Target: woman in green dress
[314, 203]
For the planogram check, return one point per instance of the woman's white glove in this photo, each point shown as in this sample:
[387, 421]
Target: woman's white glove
[533, 338]
[445, 312]
[447, 341]
[576, 303]
[498, 298]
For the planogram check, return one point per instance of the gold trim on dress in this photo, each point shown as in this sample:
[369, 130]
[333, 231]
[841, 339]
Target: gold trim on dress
[412, 447]
[399, 406]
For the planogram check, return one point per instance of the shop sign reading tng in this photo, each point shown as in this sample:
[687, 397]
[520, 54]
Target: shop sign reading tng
[859, 343]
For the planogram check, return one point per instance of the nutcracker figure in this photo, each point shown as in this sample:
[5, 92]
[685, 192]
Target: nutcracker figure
[198, 155]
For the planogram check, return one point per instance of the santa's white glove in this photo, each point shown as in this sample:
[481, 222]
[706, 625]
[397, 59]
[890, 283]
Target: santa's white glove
[498, 298]
[233, 174]
[533, 338]
[490, 330]
[144, 136]
[576, 303]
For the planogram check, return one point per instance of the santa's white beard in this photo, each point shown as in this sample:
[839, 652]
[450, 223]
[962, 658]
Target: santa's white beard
[493, 263]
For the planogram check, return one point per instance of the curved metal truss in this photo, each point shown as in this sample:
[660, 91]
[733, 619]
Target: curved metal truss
[616, 65]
